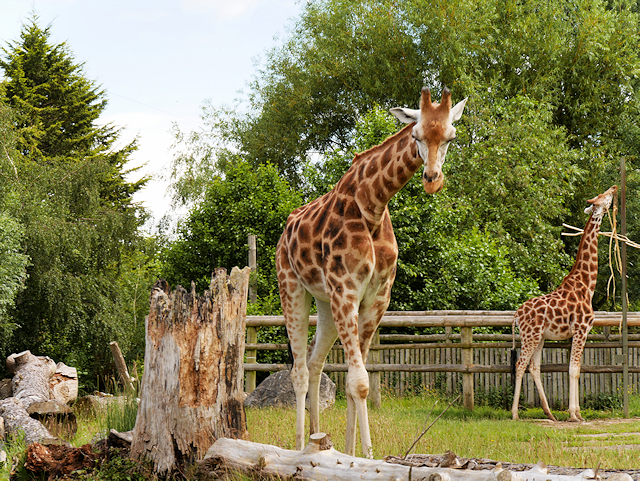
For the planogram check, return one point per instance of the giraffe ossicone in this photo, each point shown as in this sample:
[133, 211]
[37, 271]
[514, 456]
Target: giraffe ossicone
[340, 249]
[564, 313]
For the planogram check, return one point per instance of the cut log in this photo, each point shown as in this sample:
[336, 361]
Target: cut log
[32, 386]
[192, 387]
[317, 462]
[17, 419]
[31, 378]
[64, 384]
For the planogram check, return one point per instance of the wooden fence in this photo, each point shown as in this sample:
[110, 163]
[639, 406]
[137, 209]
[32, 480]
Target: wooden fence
[478, 364]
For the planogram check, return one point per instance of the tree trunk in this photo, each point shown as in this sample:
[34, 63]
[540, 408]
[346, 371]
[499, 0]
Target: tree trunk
[192, 387]
[318, 461]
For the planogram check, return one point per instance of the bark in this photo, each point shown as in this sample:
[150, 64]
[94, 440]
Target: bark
[16, 419]
[318, 461]
[121, 366]
[192, 387]
[31, 378]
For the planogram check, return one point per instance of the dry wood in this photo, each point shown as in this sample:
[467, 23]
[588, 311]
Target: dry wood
[32, 374]
[64, 384]
[318, 461]
[17, 419]
[121, 366]
[192, 389]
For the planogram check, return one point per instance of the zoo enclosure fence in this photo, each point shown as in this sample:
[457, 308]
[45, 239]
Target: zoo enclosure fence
[478, 364]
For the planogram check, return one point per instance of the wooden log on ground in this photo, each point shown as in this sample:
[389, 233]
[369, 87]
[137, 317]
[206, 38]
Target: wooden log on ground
[16, 419]
[32, 374]
[319, 461]
[32, 385]
[64, 384]
[192, 387]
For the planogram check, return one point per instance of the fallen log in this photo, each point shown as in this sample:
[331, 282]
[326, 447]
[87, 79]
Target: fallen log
[16, 419]
[32, 387]
[32, 374]
[319, 461]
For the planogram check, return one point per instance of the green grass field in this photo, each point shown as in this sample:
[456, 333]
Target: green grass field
[483, 433]
[605, 439]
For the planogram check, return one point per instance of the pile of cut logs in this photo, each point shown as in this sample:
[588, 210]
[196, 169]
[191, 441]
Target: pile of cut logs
[35, 401]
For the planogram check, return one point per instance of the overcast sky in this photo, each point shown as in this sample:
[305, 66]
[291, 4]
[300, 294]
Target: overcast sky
[159, 60]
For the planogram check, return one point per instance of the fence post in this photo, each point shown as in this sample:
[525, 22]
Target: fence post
[467, 360]
[252, 332]
[375, 396]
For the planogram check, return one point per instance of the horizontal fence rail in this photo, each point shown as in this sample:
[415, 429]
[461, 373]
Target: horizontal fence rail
[466, 360]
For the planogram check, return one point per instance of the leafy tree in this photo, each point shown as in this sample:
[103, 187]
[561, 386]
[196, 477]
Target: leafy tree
[245, 201]
[69, 194]
[13, 261]
[552, 106]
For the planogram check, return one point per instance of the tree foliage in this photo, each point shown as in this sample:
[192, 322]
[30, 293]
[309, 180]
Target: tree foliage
[552, 102]
[244, 201]
[73, 205]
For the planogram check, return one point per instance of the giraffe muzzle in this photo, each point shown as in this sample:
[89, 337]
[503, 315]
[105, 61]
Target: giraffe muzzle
[432, 182]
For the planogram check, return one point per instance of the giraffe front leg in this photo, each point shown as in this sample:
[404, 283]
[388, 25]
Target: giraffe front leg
[577, 346]
[526, 352]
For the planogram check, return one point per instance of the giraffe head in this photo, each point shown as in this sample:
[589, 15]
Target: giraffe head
[433, 131]
[599, 205]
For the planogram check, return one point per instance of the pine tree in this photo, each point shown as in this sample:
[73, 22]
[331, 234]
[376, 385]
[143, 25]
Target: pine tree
[57, 109]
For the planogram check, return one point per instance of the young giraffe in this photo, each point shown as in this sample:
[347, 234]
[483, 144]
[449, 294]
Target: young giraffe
[564, 313]
[341, 250]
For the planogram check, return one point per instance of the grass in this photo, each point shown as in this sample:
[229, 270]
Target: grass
[483, 433]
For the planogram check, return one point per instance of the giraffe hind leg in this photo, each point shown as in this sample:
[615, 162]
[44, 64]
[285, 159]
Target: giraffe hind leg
[536, 360]
[324, 339]
[297, 322]
[526, 352]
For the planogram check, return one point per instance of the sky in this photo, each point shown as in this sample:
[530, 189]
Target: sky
[159, 61]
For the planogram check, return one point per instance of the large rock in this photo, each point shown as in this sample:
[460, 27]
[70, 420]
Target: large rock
[277, 390]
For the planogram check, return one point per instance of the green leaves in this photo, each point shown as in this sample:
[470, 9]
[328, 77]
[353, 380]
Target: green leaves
[245, 201]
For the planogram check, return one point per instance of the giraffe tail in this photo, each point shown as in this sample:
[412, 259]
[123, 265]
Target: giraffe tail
[514, 352]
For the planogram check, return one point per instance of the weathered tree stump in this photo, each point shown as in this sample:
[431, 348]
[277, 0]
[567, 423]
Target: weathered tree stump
[192, 387]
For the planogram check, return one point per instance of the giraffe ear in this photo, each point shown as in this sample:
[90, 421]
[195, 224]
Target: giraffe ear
[406, 116]
[456, 112]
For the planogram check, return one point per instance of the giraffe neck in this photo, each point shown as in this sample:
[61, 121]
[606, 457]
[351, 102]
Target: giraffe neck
[585, 267]
[380, 172]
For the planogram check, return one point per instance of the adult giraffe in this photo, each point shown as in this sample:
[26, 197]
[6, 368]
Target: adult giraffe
[564, 313]
[341, 250]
